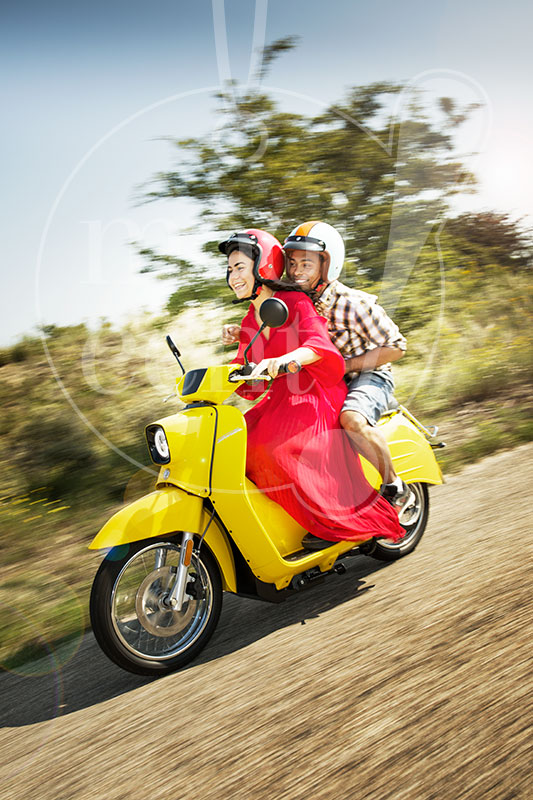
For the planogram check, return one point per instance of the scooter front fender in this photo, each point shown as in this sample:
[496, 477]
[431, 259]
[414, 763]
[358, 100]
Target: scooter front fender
[162, 512]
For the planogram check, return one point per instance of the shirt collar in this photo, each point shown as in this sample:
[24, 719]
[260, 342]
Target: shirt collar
[327, 295]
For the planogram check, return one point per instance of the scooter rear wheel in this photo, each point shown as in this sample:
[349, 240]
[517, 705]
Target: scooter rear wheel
[130, 620]
[414, 523]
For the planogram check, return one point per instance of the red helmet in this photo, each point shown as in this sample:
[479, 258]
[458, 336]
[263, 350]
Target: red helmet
[267, 252]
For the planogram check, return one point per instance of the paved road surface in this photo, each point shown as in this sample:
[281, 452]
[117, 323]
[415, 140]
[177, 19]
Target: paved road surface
[411, 680]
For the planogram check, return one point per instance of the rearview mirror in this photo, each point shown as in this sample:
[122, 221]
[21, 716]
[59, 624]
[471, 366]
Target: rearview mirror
[274, 313]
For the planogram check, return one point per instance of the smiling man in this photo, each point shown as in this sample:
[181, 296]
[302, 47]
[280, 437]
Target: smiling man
[365, 335]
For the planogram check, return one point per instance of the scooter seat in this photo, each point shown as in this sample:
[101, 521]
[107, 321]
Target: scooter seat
[392, 406]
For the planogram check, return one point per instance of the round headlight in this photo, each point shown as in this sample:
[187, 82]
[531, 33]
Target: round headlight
[161, 444]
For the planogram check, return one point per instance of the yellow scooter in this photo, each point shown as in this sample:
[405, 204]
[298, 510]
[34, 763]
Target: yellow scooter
[206, 528]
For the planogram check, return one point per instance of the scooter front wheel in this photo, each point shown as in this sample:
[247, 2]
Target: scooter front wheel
[132, 620]
[413, 520]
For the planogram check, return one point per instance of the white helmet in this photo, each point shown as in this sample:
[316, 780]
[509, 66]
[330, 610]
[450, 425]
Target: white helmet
[321, 238]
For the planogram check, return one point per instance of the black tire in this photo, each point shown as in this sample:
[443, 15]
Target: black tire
[132, 627]
[385, 550]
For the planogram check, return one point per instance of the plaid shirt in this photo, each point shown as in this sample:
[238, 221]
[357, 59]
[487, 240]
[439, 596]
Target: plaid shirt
[356, 323]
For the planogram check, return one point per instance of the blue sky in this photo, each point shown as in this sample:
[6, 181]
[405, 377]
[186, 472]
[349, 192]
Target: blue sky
[89, 89]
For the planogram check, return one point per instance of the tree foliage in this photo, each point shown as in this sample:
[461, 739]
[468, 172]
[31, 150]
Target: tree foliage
[384, 180]
[488, 239]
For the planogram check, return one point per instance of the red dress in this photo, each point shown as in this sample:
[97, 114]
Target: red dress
[298, 453]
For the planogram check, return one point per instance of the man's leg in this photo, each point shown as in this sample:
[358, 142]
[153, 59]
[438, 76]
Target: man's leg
[370, 443]
[369, 395]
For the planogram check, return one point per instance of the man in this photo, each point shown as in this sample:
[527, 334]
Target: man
[365, 335]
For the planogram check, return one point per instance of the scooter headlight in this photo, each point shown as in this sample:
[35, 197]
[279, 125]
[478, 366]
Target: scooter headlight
[157, 444]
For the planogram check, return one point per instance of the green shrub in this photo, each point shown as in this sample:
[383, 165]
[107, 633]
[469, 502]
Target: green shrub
[53, 449]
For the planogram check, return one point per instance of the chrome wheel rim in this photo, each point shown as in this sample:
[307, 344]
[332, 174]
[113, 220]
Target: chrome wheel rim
[142, 620]
[410, 519]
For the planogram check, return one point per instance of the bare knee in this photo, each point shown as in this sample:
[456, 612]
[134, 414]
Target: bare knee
[353, 422]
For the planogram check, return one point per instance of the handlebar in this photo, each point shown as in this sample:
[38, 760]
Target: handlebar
[290, 367]
[243, 374]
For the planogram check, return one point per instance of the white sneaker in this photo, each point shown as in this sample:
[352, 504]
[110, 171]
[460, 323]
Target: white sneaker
[401, 499]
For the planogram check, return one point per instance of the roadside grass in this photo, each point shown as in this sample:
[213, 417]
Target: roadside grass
[470, 370]
[40, 611]
[42, 655]
[498, 428]
[46, 574]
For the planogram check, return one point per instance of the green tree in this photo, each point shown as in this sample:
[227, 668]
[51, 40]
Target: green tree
[488, 240]
[348, 165]
[384, 181]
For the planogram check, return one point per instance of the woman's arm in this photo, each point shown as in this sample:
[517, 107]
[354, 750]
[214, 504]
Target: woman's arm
[328, 369]
[304, 355]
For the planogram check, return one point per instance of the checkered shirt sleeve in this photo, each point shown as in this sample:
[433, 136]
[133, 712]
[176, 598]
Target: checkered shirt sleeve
[358, 324]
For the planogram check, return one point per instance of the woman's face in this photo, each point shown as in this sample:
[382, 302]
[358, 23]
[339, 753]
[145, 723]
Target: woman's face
[241, 277]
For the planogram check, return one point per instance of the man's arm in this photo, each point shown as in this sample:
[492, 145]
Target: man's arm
[372, 359]
[381, 335]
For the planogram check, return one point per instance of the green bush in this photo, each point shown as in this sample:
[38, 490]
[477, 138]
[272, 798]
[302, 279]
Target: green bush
[53, 449]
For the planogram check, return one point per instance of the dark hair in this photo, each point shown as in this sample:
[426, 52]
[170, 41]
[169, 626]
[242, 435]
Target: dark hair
[290, 286]
[249, 250]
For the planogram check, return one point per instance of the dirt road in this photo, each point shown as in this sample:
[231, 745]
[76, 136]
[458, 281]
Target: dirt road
[411, 680]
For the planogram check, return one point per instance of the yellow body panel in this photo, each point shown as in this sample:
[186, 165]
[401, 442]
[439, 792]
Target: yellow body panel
[166, 511]
[411, 453]
[190, 439]
[264, 533]
[214, 386]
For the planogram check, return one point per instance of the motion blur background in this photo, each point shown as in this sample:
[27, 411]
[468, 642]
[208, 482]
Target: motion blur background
[91, 92]
[136, 135]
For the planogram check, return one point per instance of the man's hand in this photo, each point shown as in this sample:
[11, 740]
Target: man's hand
[230, 334]
[372, 359]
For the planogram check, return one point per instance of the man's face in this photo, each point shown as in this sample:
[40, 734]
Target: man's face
[304, 268]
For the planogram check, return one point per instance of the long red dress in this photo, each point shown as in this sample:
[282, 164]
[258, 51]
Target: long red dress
[298, 453]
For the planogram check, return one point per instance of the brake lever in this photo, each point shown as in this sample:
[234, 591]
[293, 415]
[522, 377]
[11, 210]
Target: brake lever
[235, 377]
[290, 368]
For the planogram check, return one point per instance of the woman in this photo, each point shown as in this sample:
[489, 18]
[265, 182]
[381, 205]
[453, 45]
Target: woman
[297, 453]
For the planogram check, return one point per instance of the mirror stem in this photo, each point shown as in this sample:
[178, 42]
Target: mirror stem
[175, 352]
[261, 329]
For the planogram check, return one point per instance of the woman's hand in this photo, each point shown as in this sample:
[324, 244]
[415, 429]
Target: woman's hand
[230, 334]
[303, 355]
[269, 365]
